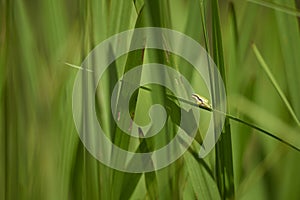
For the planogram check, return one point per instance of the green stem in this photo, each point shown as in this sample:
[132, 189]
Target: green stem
[274, 82]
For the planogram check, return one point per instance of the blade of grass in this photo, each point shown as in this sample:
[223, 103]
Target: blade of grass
[224, 165]
[236, 119]
[202, 12]
[278, 128]
[277, 7]
[4, 36]
[158, 15]
[274, 82]
[121, 139]
[260, 170]
[247, 29]
[86, 44]
[263, 131]
[218, 58]
[231, 48]
[150, 177]
[21, 98]
[290, 46]
[204, 185]
[121, 16]
[288, 29]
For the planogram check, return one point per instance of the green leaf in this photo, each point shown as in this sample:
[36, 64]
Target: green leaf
[224, 165]
[274, 82]
[203, 184]
[277, 7]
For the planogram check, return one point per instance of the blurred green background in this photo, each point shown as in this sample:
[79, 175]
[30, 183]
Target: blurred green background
[255, 43]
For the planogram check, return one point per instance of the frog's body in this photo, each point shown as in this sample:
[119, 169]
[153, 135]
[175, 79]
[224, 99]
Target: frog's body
[201, 101]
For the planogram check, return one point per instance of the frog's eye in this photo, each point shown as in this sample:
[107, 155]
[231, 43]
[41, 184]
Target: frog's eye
[201, 101]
